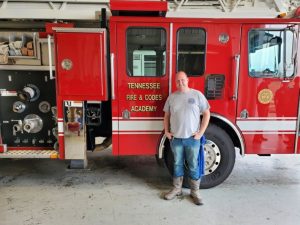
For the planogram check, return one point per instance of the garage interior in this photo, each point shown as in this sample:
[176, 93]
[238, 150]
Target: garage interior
[262, 190]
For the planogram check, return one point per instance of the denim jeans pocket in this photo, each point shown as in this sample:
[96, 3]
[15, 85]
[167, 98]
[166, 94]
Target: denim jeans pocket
[194, 142]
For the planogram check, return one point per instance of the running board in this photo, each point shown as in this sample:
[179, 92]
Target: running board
[30, 154]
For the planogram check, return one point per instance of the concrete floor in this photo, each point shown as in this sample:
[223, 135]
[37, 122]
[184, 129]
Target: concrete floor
[127, 191]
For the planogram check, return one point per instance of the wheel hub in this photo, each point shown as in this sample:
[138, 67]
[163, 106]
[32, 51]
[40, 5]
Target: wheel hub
[212, 157]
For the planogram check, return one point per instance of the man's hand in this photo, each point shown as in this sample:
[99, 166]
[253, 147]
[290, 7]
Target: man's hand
[203, 125]
[169, 135]
[198, 135]
[167, 125]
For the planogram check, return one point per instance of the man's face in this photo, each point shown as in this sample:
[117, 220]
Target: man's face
[182, 82]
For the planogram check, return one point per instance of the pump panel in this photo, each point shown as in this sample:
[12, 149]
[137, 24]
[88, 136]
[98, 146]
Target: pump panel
[27, 109]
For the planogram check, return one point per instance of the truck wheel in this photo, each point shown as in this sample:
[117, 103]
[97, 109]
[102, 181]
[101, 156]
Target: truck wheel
[219, 157]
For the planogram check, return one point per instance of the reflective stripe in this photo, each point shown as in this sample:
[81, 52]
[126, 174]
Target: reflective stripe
[268, 132]
[115, 125]
[60, 127]
[267, 118]
[137, 132]
[140, 125]
[139, 118]
[275, 125]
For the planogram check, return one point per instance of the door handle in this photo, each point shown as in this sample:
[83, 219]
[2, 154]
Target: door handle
[236, 80]
[112, 71]
[244, 114]
[126, 114]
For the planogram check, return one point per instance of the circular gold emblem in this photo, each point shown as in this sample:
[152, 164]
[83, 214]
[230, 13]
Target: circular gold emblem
[265, 96]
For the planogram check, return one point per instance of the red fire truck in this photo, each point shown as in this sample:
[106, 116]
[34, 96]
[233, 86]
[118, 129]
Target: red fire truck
[64, 87]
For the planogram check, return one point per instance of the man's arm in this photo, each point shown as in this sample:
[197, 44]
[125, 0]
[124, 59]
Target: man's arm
[204, 124]
[167, 125]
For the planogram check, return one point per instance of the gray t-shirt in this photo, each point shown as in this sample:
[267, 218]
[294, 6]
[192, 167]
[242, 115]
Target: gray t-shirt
[185, 109]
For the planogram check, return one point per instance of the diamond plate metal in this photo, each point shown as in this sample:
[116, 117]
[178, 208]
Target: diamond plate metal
[28, 154]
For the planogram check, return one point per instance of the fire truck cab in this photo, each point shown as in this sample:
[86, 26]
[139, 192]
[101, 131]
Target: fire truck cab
[76, 84]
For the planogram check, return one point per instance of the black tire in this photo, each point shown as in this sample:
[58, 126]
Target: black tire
[226, 149]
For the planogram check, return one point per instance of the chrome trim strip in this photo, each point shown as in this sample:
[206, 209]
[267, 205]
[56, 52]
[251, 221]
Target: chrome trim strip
[161, 147]
[78, 30]
[74, 137]
[112, 71]
[24, 67]
[237, 71]
[50, 58]
[170, 58]
[297, 128]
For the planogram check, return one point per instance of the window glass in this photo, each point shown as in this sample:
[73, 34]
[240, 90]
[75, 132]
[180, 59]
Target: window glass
[146, 51]
[191, 51]
[271, 53]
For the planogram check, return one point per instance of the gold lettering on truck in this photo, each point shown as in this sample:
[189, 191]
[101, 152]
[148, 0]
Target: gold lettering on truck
[153, 97]
[131, 97]
[144, 86]
[143, 108]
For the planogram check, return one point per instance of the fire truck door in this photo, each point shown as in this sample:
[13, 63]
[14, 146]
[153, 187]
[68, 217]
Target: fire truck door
[205, 52]
[268, 88]
[142, 86]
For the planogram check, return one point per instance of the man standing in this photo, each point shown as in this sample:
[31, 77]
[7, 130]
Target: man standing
[184, 128]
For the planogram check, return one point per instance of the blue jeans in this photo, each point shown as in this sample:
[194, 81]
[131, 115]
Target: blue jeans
[186, 149]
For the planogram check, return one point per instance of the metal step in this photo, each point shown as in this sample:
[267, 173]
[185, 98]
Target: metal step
[29, 154]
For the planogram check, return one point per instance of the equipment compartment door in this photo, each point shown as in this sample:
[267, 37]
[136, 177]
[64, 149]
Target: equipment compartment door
[268, 88]
[142, 86]
[81, 63]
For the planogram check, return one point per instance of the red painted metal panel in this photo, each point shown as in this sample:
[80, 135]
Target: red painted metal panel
[136, 5]
[142, 140]
[212, 21]
[262, 136]
[218, 60]
[3, 148]
[269, 143]
[144, 144]
[114, 82]
[87, 77]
